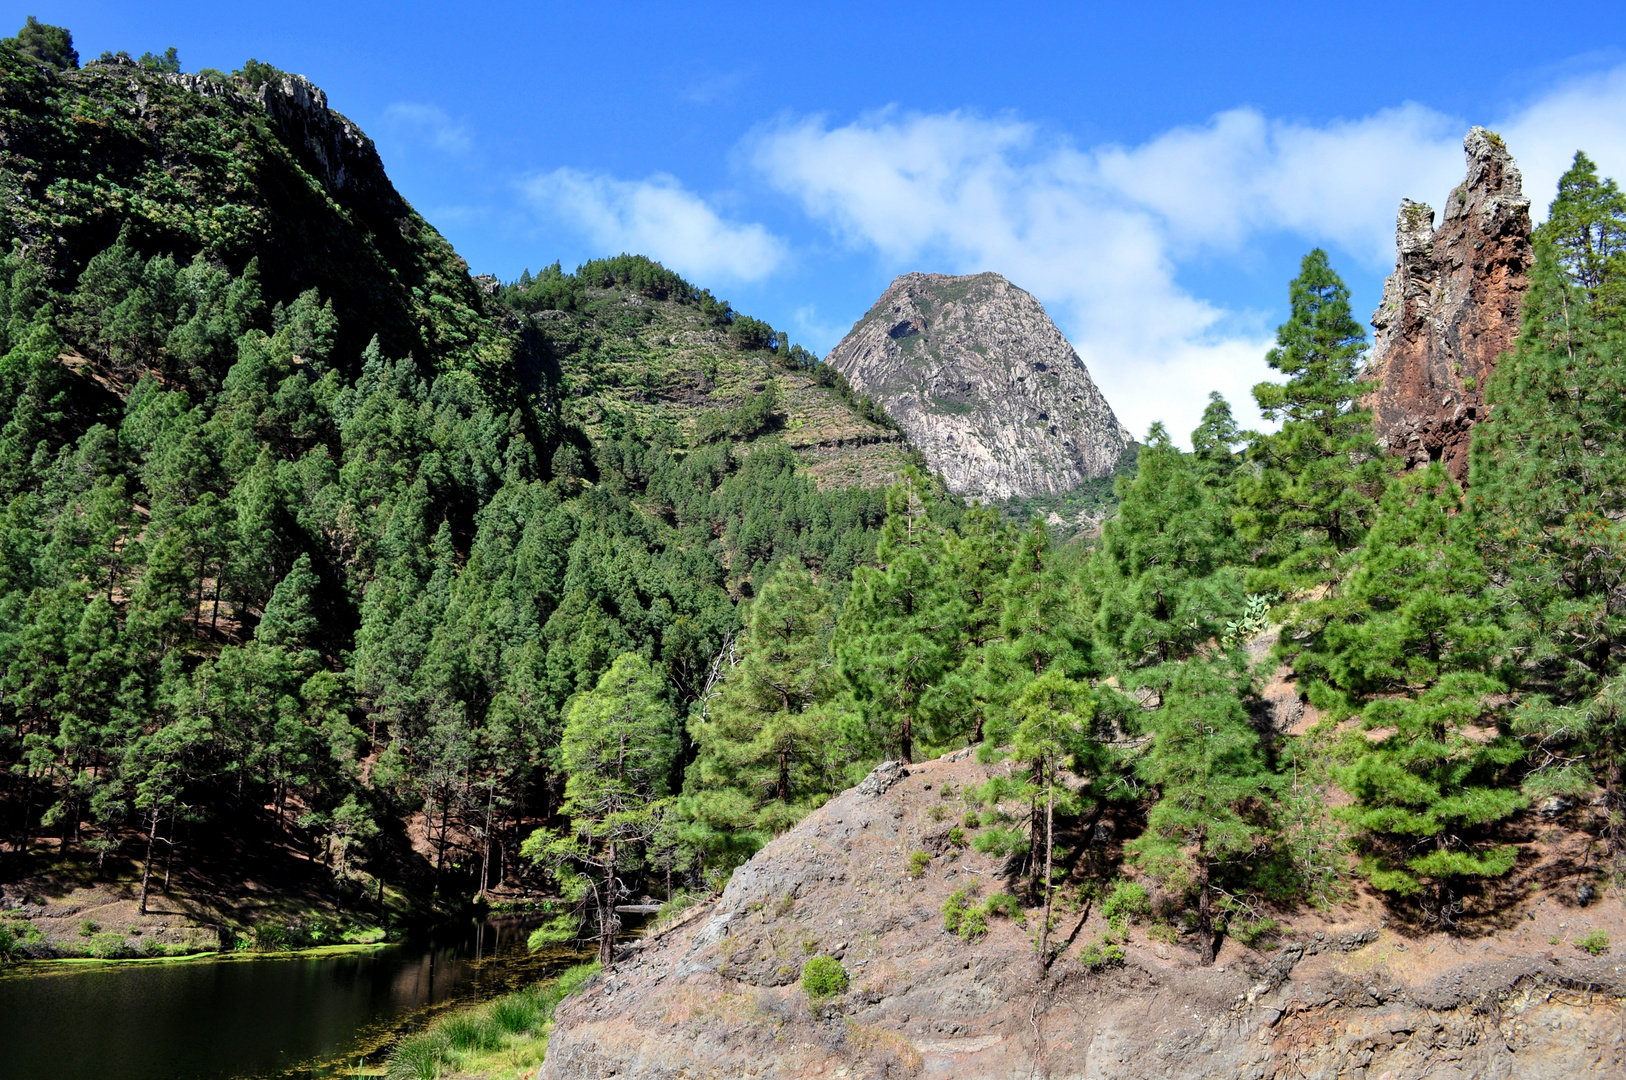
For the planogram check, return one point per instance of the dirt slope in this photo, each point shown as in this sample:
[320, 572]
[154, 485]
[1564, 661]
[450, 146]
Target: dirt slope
[717, 995]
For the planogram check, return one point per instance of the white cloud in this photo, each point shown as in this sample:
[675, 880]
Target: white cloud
[659, 218]
[1099, 234]
[433, 125]
[1587, 113]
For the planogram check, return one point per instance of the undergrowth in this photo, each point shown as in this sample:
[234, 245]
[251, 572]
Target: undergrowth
[509, 1033]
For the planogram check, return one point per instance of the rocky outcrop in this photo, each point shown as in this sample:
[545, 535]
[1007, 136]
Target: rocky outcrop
[1450, 309]
[716, 994]
[984, 385]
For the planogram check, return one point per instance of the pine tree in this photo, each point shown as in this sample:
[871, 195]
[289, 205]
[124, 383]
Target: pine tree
[900, 627]
[1165, 573]
[761, 741]
[1316, 483]
[1548, 492]
[1411, 645]
[1214, 787]
[1052, 734]
[617, 750]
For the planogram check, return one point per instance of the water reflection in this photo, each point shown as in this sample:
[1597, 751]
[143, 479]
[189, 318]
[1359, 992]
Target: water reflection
[229, 1018]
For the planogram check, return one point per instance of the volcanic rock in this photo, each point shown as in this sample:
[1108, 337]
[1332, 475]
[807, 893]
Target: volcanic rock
[1450, 309]
[716, 992]
[984, 385]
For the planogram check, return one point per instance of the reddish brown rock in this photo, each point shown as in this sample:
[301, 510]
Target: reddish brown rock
[1450, 309]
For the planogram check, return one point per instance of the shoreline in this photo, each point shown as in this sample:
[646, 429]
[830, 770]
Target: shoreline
[79, 963]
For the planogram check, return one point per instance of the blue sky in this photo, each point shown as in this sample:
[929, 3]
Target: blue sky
[1152, 172]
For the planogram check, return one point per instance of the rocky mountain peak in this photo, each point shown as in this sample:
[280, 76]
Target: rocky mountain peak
[984, 384]
[1451, 308]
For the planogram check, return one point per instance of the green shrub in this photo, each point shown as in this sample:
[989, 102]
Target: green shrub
[1253, 932]
[1001, 840]
[109, 945]
[1101, 954]
[937, 813]
[957, 837]
[824, 976]
[1128, 900]
[1007, 905]
[962, 916]
[918, 863]
[1163, 932]
[971, 820]
[271, 937]
[88, 928]
[1595, 942]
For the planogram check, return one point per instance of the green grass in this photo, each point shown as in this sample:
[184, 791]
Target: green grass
[505, 1037]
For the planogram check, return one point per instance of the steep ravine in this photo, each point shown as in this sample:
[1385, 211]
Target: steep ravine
[1343, 995]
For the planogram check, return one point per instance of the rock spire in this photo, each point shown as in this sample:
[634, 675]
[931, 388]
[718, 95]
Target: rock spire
[1450, 309]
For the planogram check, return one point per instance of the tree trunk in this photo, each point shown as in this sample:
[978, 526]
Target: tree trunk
[485, 842]
[907, 739]
[169, 853]
[1205, 911]
[146, 870]
[784, 776]
[1049, 855]
[440, 852]
[607, 918]
[1611, 798]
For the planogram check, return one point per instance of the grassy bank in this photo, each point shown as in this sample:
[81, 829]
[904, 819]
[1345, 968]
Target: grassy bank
[500, 1040]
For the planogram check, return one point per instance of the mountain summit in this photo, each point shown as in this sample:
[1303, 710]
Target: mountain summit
[984, 384]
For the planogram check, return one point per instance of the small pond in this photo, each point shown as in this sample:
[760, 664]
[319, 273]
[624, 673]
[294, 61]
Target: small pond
[261, 1016]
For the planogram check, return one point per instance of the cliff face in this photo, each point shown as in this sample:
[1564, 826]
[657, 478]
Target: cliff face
[984, 385]
[716, 994]
[190, 165]
[1450, 309]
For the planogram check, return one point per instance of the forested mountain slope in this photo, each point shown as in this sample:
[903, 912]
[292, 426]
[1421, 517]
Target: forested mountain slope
[305, 527]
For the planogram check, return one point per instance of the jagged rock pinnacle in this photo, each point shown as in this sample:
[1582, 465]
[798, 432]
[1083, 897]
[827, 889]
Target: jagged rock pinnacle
[1450, 309]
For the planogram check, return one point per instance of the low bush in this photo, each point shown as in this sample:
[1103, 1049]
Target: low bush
[824, 976]
[962, 915]
[1101, 954]
[1128, 901]
[1595, 942]
[918, 863]
[109, 945]
[957, 837]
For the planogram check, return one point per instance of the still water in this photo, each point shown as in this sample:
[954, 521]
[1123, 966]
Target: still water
[223, 1019]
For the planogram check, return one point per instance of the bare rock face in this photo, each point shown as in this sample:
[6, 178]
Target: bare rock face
[1450, 309]
[984, 384]
[716, 993]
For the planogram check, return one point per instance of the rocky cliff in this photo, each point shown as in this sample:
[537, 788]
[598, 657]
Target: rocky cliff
[192, 164]
[1450, 309]
[984, 384]
[1341, 995]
